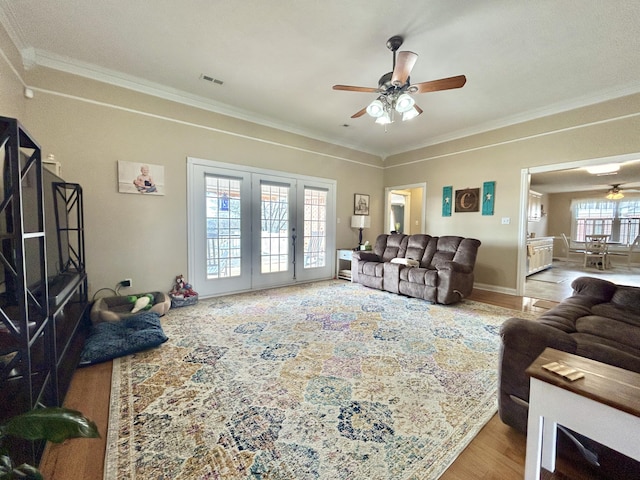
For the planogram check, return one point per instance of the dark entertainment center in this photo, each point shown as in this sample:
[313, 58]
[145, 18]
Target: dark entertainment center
[43, 296]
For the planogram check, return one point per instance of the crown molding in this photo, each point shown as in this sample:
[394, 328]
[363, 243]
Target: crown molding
[11, 25]
[130, 82]
[535, 114]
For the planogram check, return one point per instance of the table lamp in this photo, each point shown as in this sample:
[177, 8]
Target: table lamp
[360, 222]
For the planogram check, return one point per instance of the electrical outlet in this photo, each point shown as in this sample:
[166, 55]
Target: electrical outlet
[127, 282]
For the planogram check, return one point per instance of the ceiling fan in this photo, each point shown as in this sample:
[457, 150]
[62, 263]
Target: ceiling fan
[615, 192]
[395, 88]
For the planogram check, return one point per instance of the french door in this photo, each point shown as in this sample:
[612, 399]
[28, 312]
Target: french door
[251, 229]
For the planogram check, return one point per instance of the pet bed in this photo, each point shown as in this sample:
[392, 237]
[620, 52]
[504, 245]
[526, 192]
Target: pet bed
[113, 309]
[109, 340]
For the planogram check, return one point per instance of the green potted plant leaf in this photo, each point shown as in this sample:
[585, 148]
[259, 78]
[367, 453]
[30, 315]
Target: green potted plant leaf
[54, 424]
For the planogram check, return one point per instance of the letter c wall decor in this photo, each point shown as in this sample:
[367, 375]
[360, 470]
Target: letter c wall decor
[467, 200]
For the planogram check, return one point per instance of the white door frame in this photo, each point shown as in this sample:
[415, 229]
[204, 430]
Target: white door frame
[192, 206]
[387, 204]
[525, 180]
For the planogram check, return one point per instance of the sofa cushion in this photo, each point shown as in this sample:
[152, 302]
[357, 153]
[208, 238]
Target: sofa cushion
[606, 351]
[429, 252]
[395, 247]
[375, 269]
[445, 251]
[380, 245]
[627, 297]
[615, 312]
[420, 276]
[564, 315]
[416, 245]
[620, 333]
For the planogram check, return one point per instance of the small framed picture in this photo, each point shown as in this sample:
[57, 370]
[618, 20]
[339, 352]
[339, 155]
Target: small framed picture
[467, 200]
[361, 204]
[140, 178]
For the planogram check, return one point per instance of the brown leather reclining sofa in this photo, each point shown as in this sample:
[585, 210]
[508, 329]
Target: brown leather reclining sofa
[437, 269]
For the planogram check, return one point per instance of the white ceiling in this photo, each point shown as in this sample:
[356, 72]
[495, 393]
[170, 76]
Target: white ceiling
[279, 59]
[578, 179]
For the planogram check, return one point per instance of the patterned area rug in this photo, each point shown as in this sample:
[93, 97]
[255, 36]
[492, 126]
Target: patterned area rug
[330, 380]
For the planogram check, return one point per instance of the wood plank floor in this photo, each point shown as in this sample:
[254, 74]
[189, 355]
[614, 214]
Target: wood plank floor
[497, 452]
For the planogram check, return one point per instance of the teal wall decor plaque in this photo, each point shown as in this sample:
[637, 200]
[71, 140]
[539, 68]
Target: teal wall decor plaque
[488, 197]
[447, 194]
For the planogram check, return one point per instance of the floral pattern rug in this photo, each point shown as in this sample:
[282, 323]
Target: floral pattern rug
[328, 380]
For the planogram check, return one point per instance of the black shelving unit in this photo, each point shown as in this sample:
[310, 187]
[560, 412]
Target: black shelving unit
[40, 314]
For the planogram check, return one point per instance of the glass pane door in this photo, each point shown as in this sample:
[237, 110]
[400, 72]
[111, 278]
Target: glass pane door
[219, 230]
[317, 248]
[224, 216]
[274, 259]
[251, 230]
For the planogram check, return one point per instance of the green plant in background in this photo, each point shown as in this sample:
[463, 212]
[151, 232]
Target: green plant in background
[53, 424]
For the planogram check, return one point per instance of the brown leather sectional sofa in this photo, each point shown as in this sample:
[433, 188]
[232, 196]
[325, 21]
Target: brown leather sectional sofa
[600, 321]
[437, 269]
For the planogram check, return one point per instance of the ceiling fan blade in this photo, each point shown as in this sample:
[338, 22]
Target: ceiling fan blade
[418, 109]
[442, 84]
[359, 113]
[350, 88]
[404, 64]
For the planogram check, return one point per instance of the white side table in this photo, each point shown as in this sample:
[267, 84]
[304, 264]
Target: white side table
[604, 406]
[343, 263]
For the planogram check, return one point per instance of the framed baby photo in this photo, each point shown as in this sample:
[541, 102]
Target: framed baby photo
[140, 178]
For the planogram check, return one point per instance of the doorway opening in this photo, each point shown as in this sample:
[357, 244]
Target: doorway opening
[564, 172]
[405, 209]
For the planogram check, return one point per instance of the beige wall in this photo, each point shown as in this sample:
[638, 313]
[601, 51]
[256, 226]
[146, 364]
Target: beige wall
[89, 126]
[12, 100]
[416, 210]
[145, 238]
[601, 130]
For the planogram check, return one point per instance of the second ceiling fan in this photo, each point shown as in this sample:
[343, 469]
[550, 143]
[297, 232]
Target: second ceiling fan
[395, 88]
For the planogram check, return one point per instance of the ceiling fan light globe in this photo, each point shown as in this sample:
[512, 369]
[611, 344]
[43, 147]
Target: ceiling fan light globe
[614, 195]
[375, 109]
[404, 103]
[384, 119]
[413, 113]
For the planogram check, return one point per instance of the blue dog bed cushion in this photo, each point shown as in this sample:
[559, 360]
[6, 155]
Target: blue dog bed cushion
[109, 340]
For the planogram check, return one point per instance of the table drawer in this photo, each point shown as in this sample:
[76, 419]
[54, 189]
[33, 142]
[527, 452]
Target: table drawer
[344, 254]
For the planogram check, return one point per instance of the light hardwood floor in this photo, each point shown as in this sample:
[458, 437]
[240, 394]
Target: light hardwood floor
[555, 282]
[497, 452]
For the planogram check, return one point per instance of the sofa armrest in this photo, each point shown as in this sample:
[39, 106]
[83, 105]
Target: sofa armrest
[365, 256]
[455, 267]
[531, 337]
[522, 342]
[594, 287]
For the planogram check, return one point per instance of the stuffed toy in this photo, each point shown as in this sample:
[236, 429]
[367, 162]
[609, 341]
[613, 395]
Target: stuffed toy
[140, 302]
[182, 289]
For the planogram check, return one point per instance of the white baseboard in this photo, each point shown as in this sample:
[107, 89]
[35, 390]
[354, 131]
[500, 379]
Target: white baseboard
[494, 288]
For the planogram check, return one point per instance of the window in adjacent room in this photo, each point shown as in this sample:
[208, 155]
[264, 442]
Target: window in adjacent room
[620, 219]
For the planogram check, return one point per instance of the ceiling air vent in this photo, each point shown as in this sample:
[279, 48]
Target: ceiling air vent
[211, 79]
